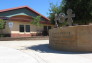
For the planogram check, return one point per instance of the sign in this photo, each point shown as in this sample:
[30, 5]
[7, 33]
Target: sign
[10, 24]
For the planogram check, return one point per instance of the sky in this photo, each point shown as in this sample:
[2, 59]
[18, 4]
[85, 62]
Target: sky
[41, 6]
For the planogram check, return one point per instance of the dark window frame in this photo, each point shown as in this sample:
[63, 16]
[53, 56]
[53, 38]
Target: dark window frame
[27, 28]
[21, 28]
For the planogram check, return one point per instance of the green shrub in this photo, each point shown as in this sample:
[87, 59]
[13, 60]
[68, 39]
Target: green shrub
[1, 35]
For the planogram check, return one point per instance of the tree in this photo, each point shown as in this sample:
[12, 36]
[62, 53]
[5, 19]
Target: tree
[54, 8]
[36, 21]
[2, 25]
[81, 8]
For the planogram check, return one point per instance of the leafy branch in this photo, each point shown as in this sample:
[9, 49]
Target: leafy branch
[36, 21]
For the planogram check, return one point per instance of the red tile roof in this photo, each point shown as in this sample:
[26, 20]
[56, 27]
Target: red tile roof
[5, 10]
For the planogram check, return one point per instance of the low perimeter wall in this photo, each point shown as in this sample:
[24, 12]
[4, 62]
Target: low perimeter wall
[72, 38]
[24, 38]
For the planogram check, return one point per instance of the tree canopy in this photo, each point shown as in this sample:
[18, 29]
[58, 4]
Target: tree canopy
[54, 8]
[2, 24]
[36, 21]
[81, 8]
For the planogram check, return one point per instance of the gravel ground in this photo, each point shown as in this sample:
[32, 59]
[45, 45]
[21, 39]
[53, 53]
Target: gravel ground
[40, 50]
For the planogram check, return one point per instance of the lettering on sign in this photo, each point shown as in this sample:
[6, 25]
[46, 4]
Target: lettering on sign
[62, 37]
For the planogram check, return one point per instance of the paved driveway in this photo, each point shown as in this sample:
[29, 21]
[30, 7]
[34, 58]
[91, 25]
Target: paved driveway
[39, 49]
[10, 55]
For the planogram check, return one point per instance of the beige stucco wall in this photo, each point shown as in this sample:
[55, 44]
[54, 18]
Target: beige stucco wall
[33, 28]
[15, 28]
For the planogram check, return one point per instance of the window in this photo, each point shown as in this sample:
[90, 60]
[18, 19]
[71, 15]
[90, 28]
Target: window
[24, 28]
[27, 28]
[45, 28]
[21, 27]
[49, 27]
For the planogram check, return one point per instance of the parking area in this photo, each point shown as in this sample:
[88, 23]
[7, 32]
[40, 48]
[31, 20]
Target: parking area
[40, 50]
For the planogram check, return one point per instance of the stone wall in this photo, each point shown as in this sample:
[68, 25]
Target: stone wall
[72, 38]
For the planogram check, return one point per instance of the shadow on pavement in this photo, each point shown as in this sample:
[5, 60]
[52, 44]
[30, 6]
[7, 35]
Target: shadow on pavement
[45, 48]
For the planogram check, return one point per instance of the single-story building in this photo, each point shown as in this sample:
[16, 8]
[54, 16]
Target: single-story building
[19, 22]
